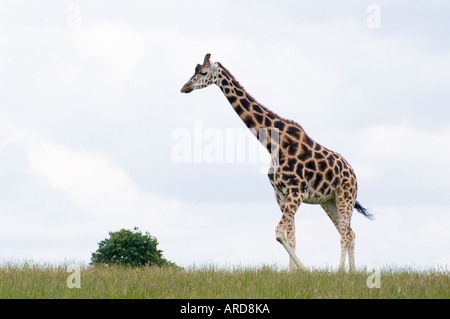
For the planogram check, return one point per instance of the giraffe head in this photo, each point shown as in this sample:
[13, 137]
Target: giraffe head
[204, 76]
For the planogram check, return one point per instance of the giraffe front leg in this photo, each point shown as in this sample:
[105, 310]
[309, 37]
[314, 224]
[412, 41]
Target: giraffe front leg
[290, 237]
[287, 236]
[285, 230]
[286, 226]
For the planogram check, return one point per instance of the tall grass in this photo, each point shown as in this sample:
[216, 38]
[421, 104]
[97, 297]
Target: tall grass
[49, 281]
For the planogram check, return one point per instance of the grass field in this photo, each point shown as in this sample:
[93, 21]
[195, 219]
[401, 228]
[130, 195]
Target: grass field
[40, 281]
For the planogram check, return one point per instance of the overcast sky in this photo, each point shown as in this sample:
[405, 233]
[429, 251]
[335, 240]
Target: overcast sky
[92, 121]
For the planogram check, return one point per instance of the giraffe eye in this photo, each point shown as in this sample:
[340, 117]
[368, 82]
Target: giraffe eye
[203, 73]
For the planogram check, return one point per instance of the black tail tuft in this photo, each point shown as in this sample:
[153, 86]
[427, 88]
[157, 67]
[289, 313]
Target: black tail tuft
[363, 211]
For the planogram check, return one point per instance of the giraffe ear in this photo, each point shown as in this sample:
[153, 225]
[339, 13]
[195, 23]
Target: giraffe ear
[206, 61]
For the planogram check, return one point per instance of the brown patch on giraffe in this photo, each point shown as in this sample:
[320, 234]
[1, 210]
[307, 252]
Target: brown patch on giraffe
[340, 164]
[335, 181]
[291, 146]
[309, 141]
[318, 155]
[248, 120]
[305, 154]
[294, 181]
[317, 181]
[279, 125]
[329, 175]
[336, 169]
[257, 109]
[318, 147]
[331, 160]
[299, 170]
[308, 175]
[293, 131]
[259, 118]
[290, 165]
[226, 75]
[239, 110]
[231, 98]
[311, 165]
[322, 165]
[245, 104]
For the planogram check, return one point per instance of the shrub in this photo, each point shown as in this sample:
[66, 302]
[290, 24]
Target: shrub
[126, 247]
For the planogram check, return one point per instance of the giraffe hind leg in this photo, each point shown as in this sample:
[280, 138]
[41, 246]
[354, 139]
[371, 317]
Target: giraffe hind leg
[345, 208]
[340, 215]
[331, 209]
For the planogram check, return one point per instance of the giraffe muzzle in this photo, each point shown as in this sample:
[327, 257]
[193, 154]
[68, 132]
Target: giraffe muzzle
[186, 88]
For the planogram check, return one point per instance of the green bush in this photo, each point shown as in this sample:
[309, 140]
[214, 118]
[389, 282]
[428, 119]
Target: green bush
[126, 247]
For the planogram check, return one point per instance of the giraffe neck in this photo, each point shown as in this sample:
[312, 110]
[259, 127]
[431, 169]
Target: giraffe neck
[255, 116]
[251, 112]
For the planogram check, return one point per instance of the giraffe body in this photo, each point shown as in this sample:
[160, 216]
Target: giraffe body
[302, 171]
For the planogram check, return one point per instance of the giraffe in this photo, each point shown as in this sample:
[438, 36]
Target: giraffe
[301, 171]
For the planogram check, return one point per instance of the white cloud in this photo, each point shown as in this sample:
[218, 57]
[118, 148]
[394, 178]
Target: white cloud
[365, 171]
[89, 179]
[402, 143]
[404, 235]
[114, 44]
[404, 164]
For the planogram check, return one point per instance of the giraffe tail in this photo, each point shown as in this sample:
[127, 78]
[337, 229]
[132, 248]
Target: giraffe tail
[363, 211]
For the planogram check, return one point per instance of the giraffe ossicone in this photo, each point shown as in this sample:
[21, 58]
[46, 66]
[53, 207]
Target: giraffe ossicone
[302, 170]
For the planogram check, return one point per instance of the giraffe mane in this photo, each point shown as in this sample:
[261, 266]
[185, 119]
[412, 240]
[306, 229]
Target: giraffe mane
[236, 83]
